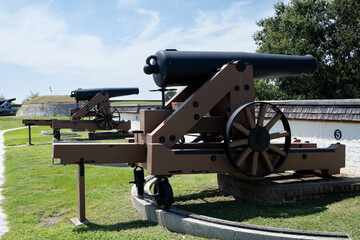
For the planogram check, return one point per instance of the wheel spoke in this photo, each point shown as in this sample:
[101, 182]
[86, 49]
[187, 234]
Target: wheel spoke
[277, 150]
[279, 134]
[261, 116]
[238, 143]
[111, 125]
[254, 164]
[243, 156]
[241, 128]
[272, 122]
[249, 118]
[102, 124]
[267, 160]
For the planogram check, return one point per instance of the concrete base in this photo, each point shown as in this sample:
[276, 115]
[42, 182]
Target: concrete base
[289, 187]
[77, 222]
[190, 223]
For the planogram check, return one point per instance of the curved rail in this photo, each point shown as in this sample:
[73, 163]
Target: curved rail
[182, 221]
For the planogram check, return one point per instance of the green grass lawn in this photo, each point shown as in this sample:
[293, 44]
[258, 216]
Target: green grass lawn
[41, 198]
[10, 122]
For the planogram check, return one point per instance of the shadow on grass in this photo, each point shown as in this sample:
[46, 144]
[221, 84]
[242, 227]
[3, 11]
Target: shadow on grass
[115, 227]
[214, 203]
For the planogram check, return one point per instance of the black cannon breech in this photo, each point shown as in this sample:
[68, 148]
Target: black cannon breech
[180, 68]
[87, 94]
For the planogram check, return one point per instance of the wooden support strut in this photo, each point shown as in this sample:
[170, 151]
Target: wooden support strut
[81, 190]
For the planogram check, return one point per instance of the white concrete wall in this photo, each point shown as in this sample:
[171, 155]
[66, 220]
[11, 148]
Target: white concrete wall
[323, 134]
[45, 110]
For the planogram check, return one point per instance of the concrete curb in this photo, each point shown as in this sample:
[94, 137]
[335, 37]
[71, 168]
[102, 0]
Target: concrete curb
[188, 223]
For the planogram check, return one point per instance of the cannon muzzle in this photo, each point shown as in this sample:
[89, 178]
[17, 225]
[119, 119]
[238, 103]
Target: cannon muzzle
[180, 68]
[87, 94]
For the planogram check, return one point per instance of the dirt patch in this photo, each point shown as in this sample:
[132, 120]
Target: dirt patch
[50, 220]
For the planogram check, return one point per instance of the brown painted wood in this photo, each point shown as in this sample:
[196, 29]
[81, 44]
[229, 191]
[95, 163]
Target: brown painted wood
[71, 153]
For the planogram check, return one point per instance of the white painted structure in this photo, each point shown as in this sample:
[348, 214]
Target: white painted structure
[323, 134]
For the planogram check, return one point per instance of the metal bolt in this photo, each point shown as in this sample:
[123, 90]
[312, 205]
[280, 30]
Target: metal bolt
[196, 116]
[196, 104]
[237, 88]
[162, 139]
[213, 158]
[304, 156]
[172, 138]
[247, 87]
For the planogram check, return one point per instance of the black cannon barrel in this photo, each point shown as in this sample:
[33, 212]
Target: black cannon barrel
[180, 68]
[87, 94]
[7, 100]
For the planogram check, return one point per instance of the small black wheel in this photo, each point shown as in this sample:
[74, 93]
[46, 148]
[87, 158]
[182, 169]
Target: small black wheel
[181, 140]
[252, 143]
[57, 134]
[107, 118]
[163, 192]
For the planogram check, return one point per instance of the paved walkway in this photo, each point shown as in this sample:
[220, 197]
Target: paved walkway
[3, 223]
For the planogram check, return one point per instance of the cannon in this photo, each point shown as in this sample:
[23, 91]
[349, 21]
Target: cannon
[5, 107]
[87, 94]
[181, 68]
[225, 130]
[96, 106]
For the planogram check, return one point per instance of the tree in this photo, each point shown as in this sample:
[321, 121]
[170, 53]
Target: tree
[169, 94]
[29, 97]
[328, 30]
[266, 89]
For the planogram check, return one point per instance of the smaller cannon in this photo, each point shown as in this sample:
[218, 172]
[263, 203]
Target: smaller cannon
[5, 107]
[96, 106]
[87, 94]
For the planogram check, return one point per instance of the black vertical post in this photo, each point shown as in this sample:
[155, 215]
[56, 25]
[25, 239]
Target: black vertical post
[29, 134]
[81, 190]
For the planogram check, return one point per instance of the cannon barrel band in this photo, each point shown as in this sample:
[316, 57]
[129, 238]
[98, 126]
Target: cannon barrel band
[181, 68]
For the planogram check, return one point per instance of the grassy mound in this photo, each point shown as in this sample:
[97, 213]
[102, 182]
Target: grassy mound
[51, 99]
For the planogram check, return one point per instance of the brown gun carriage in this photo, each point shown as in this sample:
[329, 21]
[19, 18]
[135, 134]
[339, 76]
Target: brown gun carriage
[96, 107]
[234, 134]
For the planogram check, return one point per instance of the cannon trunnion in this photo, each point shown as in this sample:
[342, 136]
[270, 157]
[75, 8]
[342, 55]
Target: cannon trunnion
[225, 130]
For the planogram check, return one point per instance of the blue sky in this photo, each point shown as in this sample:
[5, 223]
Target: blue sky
[55, 47]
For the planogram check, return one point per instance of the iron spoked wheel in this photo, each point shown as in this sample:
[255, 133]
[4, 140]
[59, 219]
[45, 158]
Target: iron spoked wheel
[105, 118]
[163, 192]
[250, 139]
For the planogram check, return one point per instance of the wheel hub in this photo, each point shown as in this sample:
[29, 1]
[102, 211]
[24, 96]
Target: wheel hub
[108, 117]
[259, 139]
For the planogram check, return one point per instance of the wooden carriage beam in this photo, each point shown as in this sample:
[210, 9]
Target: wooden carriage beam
[99, 153]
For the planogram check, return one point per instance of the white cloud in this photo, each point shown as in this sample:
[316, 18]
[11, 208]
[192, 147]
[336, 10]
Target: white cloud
[36, 38]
